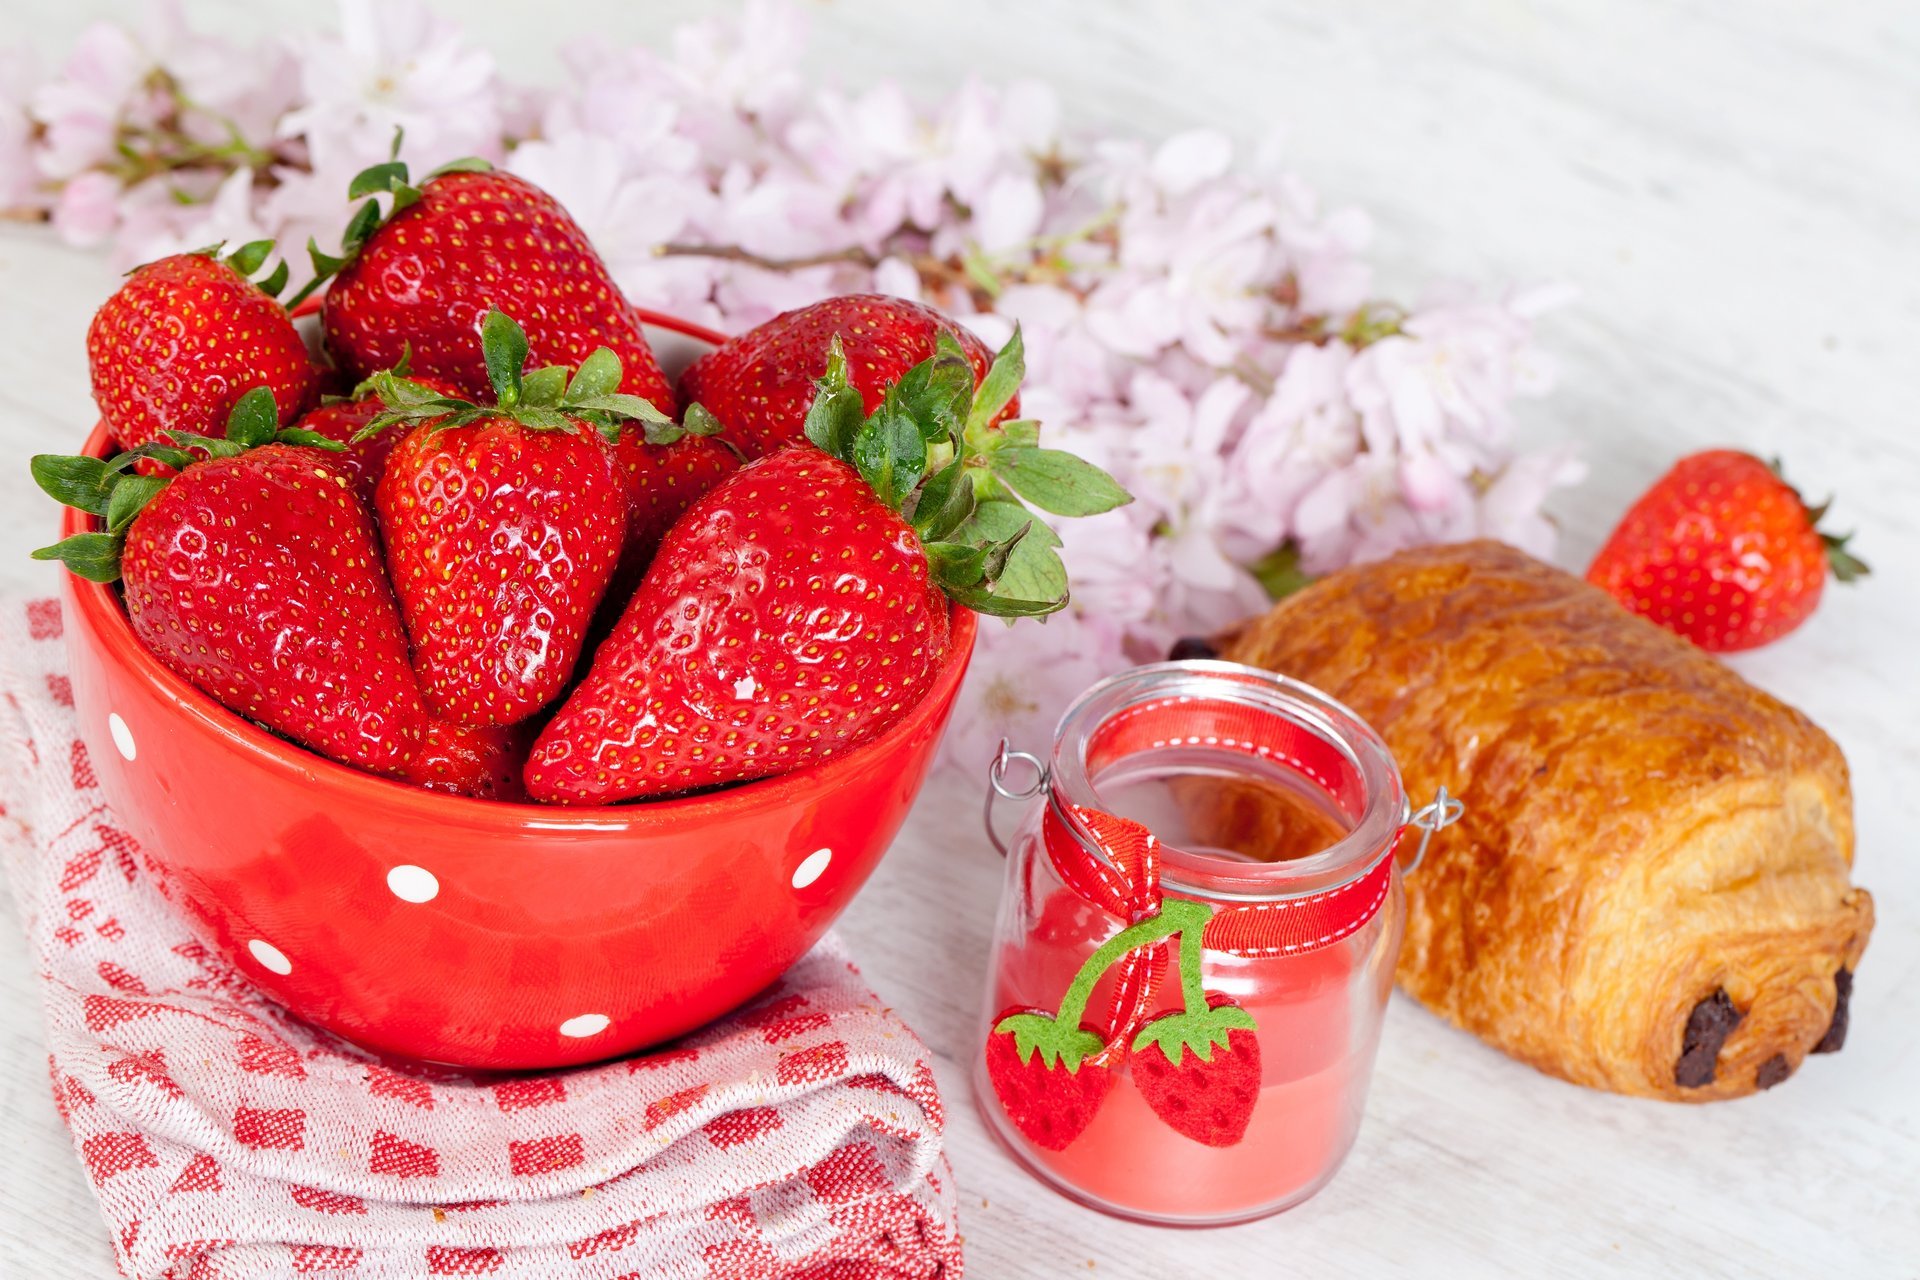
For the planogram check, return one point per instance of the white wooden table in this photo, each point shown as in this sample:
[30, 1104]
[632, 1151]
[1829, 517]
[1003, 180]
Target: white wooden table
[1736, 189]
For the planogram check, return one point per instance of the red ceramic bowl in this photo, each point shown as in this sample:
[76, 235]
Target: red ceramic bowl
[470, 932]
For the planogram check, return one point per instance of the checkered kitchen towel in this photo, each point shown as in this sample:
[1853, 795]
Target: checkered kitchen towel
[225, 1138]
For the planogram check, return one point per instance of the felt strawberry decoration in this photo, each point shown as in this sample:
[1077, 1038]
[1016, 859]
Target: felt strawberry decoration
[503, 524]
[800, 606]
[1051, 1071]
[256, 576]
[1723, 551]
[1198, 1067]
[176, 346]
[422, 276]
[761, 382]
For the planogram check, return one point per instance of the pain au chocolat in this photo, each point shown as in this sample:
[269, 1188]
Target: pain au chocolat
[1649, 891]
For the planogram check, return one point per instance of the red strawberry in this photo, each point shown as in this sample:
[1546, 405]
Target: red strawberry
[484, 763]
[1199, 1069]
[795, 611]
[365, 458]
[503, 526]
[1722, 551]
[466, 240]
[760, 383]
[664, 470]
[1048, 1077]
[256, 576]
[177, 344]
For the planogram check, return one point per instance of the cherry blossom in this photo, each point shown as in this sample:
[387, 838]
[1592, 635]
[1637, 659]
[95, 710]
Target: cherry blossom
[1195, 319]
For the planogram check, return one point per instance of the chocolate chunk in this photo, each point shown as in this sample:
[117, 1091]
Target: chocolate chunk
[1773, 1071]
[1190, 647]
[1836, 1038]
[1708, 1027]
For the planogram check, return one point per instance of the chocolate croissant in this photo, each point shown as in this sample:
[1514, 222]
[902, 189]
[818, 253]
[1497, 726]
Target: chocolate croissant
[1649, 890]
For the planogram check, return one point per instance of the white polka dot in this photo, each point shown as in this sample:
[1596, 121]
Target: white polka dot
[122, 736]
[413, 884]
[270, 957]
[811, 868]
[587, 1024]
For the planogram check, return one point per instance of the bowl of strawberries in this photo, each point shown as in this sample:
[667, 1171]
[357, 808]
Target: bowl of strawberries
[482, 691]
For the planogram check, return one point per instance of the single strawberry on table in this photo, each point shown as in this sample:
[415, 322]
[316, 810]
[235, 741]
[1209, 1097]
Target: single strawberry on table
[1723, 551]
[177, 345]
[255, 575]
[800, 607]
[469, 238]
[760, 383]
[503, 524]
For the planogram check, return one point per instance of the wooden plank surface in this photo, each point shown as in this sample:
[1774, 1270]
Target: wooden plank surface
[1735, 192]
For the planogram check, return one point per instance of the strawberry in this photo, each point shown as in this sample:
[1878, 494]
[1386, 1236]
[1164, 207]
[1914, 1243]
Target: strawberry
[503, 525]
[467, 239]
[1199, 1068]
[1722, 551]
[255, 575]
[177, 344]
[760, 383]
[484, 763]
[665, 468]
[364, 460]
[797, 608]
[1049, 1078]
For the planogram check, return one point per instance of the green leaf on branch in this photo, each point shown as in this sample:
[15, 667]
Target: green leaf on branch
[1056, 481]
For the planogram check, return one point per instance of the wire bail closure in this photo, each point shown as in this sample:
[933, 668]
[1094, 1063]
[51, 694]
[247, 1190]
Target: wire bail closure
[997, 785]
[1445, 810]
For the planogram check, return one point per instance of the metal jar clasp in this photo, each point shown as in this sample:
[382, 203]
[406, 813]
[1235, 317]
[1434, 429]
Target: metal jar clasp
[997, 784]
[1444, 810]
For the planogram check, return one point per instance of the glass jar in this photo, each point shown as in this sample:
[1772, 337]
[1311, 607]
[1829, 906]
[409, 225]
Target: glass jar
[1195, 944]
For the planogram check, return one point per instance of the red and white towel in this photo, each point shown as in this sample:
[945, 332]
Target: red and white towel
[799, 1138]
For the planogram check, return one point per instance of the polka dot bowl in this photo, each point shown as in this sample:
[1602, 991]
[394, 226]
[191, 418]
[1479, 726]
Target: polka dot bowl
[470, 932]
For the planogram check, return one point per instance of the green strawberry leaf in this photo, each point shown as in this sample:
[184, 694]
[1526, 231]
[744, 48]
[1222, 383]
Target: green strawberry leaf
[276, 279]
[504, 344]
[956, 565]
[1003, 378]
[637, 408]
[251, 256]
[943, 501]
[544, 387]
[1001, 605]
[81, 482]
[1033, 572]
[837, 412]
[465, 164]
[360, 228]
[376, 179]
[541, 418]
[253, 419]
[700, 422]
[93, 556]
[1021, 433]
[307, 439]
[1056, 481]
[212, 447]
[129, 496]
[598, 375]
[890, 454]
[1846, 566]
[937, 392]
